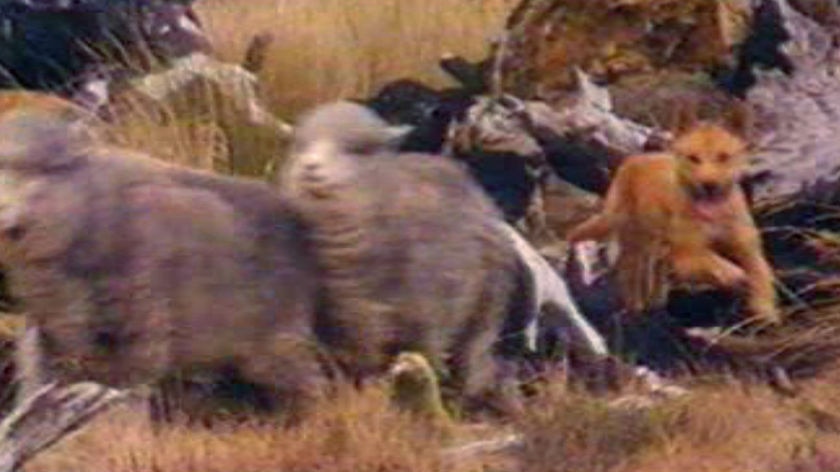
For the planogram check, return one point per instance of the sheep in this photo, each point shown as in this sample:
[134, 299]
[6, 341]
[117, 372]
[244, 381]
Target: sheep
[131, 270]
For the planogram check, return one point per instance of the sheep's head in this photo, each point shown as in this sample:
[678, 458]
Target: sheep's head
[328, 140]
[37, 151]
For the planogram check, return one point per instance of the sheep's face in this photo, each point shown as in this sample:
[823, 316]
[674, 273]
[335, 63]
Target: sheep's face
[328, 140]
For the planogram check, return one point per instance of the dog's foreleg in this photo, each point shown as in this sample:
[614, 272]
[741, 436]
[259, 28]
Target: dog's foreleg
[596, 228]
[746, 250]
[700, 264]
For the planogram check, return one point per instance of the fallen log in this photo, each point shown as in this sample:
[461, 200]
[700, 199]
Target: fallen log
[48, 416]
[581, 142]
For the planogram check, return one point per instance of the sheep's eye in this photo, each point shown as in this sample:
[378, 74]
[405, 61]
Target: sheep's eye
[363, 148]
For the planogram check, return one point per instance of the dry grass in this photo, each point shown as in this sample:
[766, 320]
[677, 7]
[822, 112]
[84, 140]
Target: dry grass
[357, 432]
[570, 433]
[323, 50]
[329, 49]
[717, 428]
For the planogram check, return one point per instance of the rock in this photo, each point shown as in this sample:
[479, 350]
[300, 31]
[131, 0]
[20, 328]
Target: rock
[617, 40]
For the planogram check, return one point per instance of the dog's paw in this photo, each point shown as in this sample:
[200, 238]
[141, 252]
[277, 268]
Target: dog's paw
[765, 312]
[730, 275]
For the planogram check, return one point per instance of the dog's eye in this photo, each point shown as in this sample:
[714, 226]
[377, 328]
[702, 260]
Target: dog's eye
[693, 158]
[723, 157]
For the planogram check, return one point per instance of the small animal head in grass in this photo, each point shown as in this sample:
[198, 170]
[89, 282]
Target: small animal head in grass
[415, 386]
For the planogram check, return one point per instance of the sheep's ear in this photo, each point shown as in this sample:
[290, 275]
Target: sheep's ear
[394, 135]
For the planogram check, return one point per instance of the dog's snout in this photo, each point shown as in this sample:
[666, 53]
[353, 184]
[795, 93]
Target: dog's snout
[709, 189]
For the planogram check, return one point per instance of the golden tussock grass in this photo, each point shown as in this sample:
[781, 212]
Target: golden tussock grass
[717, 428]
[323, 50]
[330, 49]
[354, 432]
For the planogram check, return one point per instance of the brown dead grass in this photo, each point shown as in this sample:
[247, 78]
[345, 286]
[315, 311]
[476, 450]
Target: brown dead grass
[356, 432]
[323, 50]
[329, 49]
[718, 428]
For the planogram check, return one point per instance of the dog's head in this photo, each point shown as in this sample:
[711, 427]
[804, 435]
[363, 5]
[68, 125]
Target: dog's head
[711, 158]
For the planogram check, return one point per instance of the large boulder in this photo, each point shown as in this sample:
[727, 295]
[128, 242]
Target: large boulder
[649, 48]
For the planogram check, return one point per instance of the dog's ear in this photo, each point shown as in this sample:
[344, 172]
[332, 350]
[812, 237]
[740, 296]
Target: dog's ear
[739, 119]
[683, 115]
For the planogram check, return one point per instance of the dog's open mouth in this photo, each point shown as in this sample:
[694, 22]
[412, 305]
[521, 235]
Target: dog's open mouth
[709, 201]
[708, 210]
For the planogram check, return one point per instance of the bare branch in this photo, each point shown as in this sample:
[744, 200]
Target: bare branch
[489, 446]
[532, 129]
[48, 416]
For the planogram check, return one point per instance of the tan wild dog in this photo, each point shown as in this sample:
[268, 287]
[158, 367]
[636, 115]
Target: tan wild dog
[682, 212]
